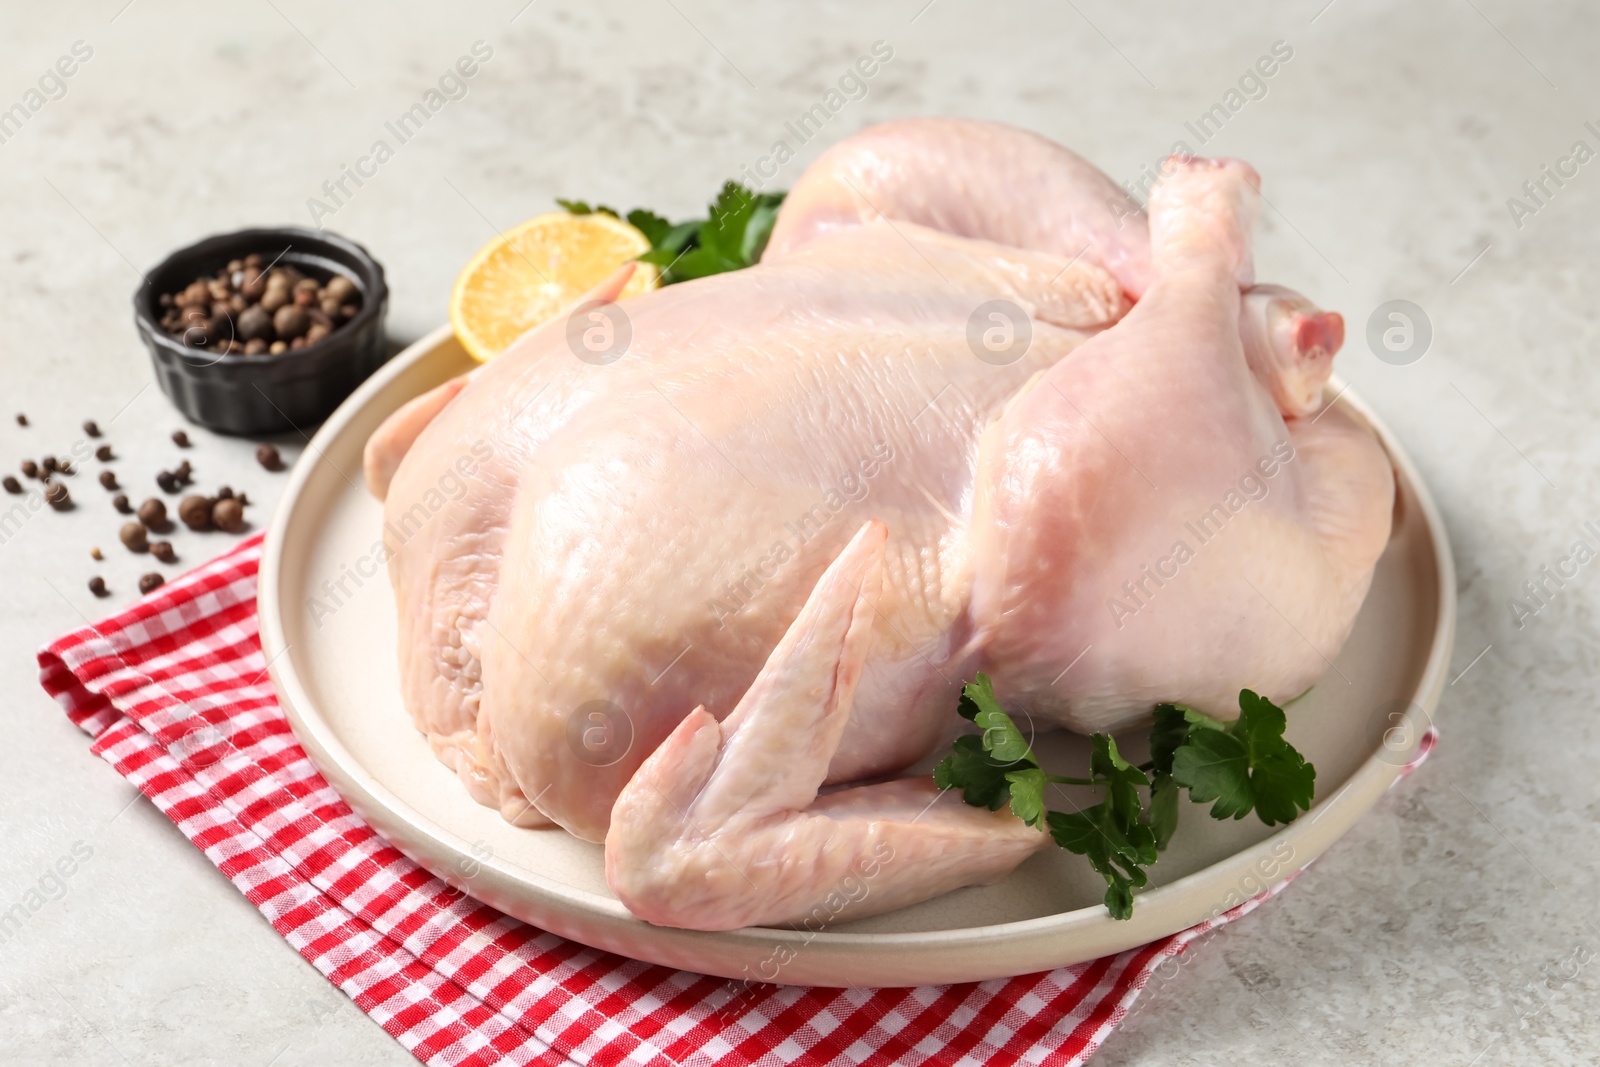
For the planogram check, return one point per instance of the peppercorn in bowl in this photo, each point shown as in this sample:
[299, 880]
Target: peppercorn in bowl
[263, 330]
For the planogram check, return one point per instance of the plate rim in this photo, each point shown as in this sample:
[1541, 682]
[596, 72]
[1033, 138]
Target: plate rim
[829, 958]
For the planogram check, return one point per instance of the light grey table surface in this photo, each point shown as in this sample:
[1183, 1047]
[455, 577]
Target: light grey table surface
[1453, 926]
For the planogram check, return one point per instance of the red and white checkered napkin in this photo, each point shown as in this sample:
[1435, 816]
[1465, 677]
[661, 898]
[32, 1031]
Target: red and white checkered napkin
[175, 693]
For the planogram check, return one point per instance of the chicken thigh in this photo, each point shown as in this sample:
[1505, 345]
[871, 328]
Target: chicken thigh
[668, 601]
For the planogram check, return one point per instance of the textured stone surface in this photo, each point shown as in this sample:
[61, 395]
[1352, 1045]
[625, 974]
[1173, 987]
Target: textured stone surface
[1455, 922]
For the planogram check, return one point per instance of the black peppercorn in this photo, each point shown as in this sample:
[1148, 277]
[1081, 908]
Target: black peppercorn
[227, 515]
[291, 321]
[134, 537]
[103, 453]
[108, 479]
[195, 512]
[255, 323]
[339, 288]
[149, 583]
[97, 585]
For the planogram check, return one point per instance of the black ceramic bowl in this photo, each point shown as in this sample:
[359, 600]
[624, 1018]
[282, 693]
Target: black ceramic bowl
[266, 394]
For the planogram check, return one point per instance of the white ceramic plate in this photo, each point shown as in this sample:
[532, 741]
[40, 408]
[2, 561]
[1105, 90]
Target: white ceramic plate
[337, 679]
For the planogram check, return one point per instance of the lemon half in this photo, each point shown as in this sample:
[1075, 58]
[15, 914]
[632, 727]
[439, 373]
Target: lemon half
[533, 272]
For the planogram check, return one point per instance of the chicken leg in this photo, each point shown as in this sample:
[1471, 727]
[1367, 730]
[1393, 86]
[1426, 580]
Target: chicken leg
[1153, 504]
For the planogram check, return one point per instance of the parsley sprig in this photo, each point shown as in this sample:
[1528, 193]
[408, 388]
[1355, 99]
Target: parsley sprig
[1237, 767]
[732, 236]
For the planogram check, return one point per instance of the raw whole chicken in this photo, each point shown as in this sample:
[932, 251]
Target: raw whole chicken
[970, 412]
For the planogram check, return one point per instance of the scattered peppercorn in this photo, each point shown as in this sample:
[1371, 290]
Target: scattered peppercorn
[228, 515]
[120, 502]
[97, 585]
[244, 500]
[58, 497]
[103, 453]
[162, 550]
[91, 428]
[48, 463]
[12, 485]
[30, 469]
[149, 583]
[94, 553]
[22, 420]
[134, 536]
[180, 438]
[225, 492]
[65, 466]
[167, 481]
[195, 511]
[183, 472]
[108, 479]
[153, 513]
[267, 456]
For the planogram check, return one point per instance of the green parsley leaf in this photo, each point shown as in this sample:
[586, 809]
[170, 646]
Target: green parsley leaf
[653, 226]
[578, 207]
[996, 766]
[1027, 795]
[1001, 738]
[1282, 780]
[740, 223]
[1238, 767]
[1091, 835]
[1112, 834]
[1123, 780]
[1087, 834]
[1167, 736]
[1163, 817]
[1214, 765]
[1245, 765]
[1284, 786]
[732, 236]
[759, 226]
[968, 768]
